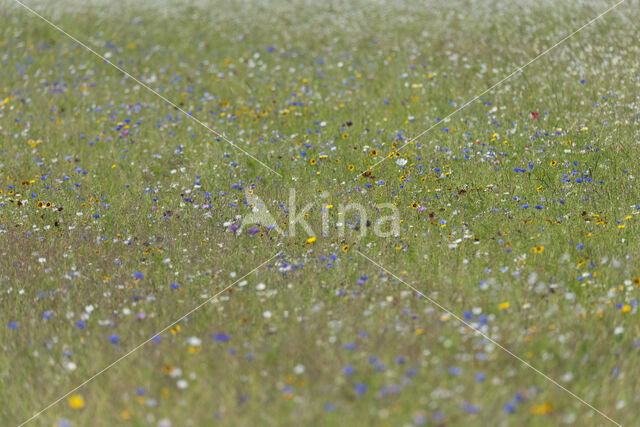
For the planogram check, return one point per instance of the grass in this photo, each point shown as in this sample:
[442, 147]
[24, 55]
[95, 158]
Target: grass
[497, 205]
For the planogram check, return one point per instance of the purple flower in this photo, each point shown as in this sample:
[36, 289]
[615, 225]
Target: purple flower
[419, 419]
[360, 388]
[114, 339]
[411, 373]
[138, 275]
[438, 416]
[348, 370]
[471, 409]
[219, 337]
[350, 346]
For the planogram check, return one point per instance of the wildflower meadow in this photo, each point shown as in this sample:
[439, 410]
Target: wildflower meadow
[367, 213]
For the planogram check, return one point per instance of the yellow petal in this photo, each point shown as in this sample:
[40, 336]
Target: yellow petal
[76, 401]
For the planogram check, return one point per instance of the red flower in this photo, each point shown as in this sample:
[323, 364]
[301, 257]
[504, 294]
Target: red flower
[535, 115]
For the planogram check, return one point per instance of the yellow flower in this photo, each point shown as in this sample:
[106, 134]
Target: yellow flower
[76, 401]
[313, 161]
[345, 248]
[373, 153]
[504, 305]
[538, 249]
[311, 239]
[543, 409]
[351, 167]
